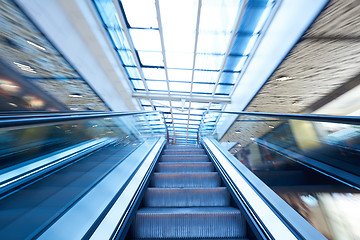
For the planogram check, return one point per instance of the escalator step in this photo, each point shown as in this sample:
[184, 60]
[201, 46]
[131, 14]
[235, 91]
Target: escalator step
[185, 180]
[184, 158]
[186, 197]
[199, 222]
[183, 147]
[184, 151]
[178, 167]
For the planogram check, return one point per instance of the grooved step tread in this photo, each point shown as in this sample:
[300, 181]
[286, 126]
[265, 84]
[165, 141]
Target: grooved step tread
[184, 151]
[179, 167]
[192, 238]
[186, 197]
[185, 180]
[195, 222]
[184, 158]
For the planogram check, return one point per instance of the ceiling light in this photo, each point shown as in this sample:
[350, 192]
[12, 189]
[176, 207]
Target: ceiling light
[271, 126]
[13, 104]
[75, 95]
[252, 138]
[283, 78]
[35, 45]
[25, 67]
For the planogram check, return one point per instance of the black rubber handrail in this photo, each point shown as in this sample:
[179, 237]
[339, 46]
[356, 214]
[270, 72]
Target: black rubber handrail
[355, 120]
[25, 120]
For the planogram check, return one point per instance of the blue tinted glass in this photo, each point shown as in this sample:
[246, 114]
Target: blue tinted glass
[138, 84]
[132, 72]
[202, 88]
[223, 89]
[228, 77]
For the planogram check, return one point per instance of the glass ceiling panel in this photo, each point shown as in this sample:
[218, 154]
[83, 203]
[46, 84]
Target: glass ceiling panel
[126, 57]
[202, 88]
[154, 73]
[179, 24]
[163, 109]
[179, 87]
[157, 85]
[194, 122]
[208, 61]
[223, 89]
[198, 112]
[138, 84]
[145, 102]
[179, 111]
[132, 72]
[180, 121]
[144, 8]
[179, 60]
[151, 58]
[201, 105]
[180, 116]
[216, 106]
[180, 104]
[193, 117]
[179, 75]
[210, 42]
[216, 22]
[148, 108]
[228, 77]
[146, 40]
[205, 76]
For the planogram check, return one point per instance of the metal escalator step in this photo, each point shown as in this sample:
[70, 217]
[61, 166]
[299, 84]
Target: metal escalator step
[186, 197]
[184, 158]
[199, 222]
[191, 238]
[179, 167]
[183, 147]
[185, 180]
[183, 151]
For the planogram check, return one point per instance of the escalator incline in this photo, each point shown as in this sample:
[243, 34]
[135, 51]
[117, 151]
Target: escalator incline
[186, 199]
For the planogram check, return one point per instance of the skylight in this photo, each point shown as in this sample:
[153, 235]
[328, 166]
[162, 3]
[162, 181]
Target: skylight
[184, 48]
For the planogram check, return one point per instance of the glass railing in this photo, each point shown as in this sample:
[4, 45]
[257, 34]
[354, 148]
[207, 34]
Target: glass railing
[51, 162]
[311, 161]
[30, 137]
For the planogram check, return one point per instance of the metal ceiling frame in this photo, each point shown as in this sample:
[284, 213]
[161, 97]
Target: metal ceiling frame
[178, 97]
[158, 17]
[194, 61]
[169, 95]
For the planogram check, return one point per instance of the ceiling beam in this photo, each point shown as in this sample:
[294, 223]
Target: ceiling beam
[239, 16]
[175, 97]
[158, 16]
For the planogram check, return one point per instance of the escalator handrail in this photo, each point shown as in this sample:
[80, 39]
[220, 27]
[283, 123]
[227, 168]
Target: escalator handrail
[252, 192]
[355, 120]
[25, 120]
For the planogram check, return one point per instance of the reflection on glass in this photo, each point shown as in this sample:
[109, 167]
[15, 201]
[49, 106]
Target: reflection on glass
[23, 145]
[290, 156]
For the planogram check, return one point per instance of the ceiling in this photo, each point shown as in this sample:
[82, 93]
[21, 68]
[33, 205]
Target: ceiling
[26, 51]
[322, 66]
[326, 57]
[184, 57]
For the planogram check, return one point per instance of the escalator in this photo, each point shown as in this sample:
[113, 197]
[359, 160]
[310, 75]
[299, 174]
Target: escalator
[187, 199]
[126, 182]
